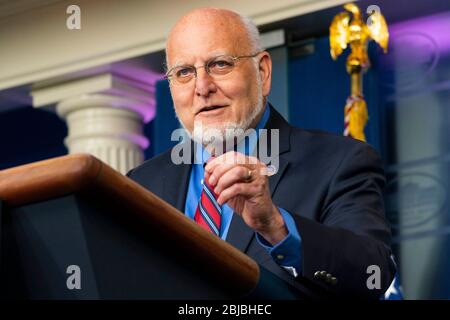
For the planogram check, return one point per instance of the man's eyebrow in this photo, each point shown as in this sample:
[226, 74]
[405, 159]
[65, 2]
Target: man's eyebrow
[176, 64]
[211, 55]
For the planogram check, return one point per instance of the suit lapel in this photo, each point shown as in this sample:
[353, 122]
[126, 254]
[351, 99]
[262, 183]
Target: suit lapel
[239, 234]
[273, 180]
[176, 184]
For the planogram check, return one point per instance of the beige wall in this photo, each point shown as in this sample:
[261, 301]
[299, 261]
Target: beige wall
[36, 44]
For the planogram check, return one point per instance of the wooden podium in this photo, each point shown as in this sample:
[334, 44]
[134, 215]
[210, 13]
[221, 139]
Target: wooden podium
[77, 212]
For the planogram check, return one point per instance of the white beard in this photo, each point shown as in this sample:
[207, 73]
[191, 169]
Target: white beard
[216, 136]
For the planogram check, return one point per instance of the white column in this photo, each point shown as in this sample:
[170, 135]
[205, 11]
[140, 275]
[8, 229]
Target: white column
[106, 127]
[105, 115]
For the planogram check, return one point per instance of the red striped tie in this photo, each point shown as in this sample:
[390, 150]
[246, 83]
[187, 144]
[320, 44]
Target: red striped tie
[208, 213]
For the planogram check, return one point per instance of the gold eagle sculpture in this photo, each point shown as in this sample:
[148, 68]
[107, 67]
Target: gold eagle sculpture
[345, 30]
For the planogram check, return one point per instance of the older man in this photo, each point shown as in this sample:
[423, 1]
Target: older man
[319, 219]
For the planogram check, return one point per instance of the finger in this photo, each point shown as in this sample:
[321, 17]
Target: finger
[238, 189]
[228, 158]
[217, 173]
[206, 176]
[235, 174]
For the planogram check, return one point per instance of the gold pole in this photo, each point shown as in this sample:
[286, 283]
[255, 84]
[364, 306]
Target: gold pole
[356, 84]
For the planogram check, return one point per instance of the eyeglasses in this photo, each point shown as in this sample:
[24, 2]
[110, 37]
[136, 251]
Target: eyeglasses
[215, 67]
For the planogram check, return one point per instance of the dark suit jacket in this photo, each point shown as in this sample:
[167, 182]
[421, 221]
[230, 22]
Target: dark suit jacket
[332, 186]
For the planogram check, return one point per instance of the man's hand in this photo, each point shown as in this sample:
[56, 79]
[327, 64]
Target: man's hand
[242, 182]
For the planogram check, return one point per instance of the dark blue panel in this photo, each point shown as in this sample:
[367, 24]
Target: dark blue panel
[159, 130]
[29, 135]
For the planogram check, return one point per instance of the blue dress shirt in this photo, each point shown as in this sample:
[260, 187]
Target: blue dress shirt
[287, 253]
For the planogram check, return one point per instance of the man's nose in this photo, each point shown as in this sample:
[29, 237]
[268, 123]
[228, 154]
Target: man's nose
[204, 83]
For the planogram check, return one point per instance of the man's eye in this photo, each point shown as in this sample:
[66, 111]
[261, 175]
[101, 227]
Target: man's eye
[184, 72]
[220, 64]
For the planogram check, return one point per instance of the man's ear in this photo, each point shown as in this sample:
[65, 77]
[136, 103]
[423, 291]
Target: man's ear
[265, 71]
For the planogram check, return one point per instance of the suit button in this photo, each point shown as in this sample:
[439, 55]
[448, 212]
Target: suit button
[323, 274]
[333, 281]
[317, 275]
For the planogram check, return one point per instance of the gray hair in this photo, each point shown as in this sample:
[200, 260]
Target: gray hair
[253, 34]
